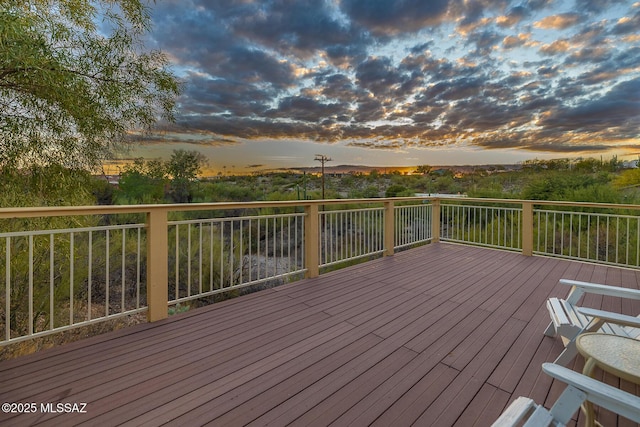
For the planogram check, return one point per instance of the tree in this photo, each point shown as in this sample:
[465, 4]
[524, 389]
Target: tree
[51, 185]
[184, 167]
[143, 182]
[70, 91]
[423, 169]
[185, 164]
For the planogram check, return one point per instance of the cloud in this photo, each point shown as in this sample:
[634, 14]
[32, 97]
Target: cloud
[616, 112]
[514, 17]
[300, 108]
[206, 95]
[558, 22]
[461, 88]
[627, 24]
[382, 78]
[556, 47]
[514, 41]
[378, 145]
[180, 136]
[485, 41]
[597, 5]
[391, 74]
[389, 17]
[299, 27]
[337, 86]
[589, 55]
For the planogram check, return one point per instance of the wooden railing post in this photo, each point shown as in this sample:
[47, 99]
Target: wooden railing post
[389, 229]
[157, 265]
[527, 228]
[435, 220]
[311, 241]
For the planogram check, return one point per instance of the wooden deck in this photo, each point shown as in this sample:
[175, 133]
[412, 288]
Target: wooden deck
[441, 335]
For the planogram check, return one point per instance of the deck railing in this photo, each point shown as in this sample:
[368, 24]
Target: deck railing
[212, 256]
[606, 234]
[412, 225]
[70, 277]
[62, 268]
[594, 232]
[482, 224]
[66, 267]
[350, 234]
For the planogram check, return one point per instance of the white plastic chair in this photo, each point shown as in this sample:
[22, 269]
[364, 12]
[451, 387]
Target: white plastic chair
[568, 320]
[525, 412]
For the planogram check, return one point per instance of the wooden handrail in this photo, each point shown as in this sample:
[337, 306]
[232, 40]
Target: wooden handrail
[48, 211]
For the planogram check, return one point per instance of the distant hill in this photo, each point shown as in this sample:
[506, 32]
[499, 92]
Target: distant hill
[345, 169]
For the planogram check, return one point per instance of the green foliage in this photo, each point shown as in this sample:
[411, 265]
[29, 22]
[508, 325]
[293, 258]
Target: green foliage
[45, 186]
[395, 190]
[69, 91]
[490, 192]
[423, 169]
[368, 192]
[628, 178]
[556, 185]
[447, 184]
[485, 226]
[224, 192]
[155, 181]
[178, 308]
[553, 164]
[103, 191]
[589, 165]
[596, 193]
[142, 182]
[184, 167]
[543, 189]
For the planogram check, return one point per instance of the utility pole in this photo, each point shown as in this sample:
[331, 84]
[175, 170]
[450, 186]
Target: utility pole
[322, 159]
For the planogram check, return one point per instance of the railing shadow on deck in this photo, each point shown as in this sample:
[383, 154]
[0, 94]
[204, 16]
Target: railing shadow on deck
[66, 267]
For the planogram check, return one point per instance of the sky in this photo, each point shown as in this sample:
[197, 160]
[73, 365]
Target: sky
[272, 83]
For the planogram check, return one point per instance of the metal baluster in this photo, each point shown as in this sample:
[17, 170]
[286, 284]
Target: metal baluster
[90, 272]
[7, 290]
[200, 225]
[107, 267]
[189, 260]
[138, 270]
[51, 281]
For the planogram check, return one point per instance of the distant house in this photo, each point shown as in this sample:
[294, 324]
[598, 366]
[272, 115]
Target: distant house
[440, 172]
[111, 179]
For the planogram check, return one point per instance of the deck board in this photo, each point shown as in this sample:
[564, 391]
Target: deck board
[442, 335]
